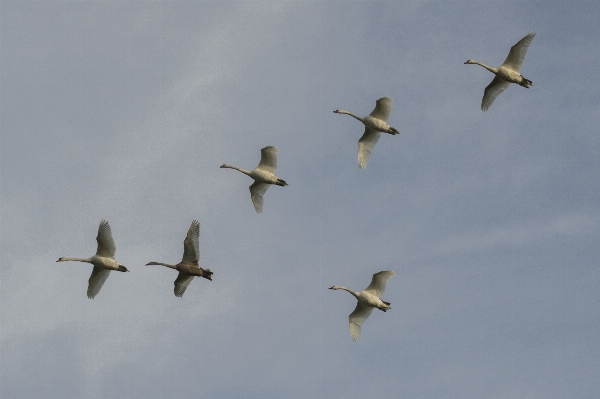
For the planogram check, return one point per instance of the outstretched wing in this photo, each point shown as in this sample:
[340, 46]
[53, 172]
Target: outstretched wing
[268, 159]
[493, 90]
[97, 279]
[516, 56]
[181, 283]
[257, 190]
[106, 244]
[383, 109]
[357, 318]
[379, 281]
[365, 145]
[191, 252]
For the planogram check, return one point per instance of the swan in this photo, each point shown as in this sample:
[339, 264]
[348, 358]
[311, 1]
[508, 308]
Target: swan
[188, 267]
[367, 301]
[506, 73]
[375, 124]
[263, 175]
[103, 261]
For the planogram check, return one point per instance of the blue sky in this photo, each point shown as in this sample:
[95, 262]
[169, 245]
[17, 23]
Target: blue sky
[491, 221]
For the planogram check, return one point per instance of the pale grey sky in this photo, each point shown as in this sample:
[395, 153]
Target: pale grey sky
[491, 221]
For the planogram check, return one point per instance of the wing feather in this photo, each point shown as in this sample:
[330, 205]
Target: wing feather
[257, 190]
[517, 53]
[106, 244]
[383, 108]
[181, 283]
[97, 279]
[492, 91]
[379, 282]
[191, 252]
[357, 318]
[365, 145]
[268, 159]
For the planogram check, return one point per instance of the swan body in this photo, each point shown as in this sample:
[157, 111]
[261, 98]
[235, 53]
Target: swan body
[263, 175]
[507, 73]
[375, 124]
[188, 267]
[367, 300]
[103, 261]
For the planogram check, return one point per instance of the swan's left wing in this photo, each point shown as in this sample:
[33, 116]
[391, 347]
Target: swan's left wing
[191, 252]
[181, 283]
[516, 56]
[493, 90]
[268, 159]
[383, 109]
[379, 282]
[365, 145]
[106, 244]
[357, 318]
[97, 279]
[257, 190]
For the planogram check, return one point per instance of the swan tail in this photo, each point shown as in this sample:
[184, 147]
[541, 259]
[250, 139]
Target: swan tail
[387, 303]
[207, 274]
[281, 182]
[394, 131]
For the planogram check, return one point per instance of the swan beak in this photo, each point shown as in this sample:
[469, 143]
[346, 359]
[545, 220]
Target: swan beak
[337, 111]
[330, 288]
[222, 166]
[59, 259]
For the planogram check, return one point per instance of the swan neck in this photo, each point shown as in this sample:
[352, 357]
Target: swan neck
[87, 260]
[244, 171]
[352, 115]
[349, 290]
[489, 68]
[162, 264]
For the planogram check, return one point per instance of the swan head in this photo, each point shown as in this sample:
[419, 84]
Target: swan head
[470, 62]
[335, 287]
[60, 260]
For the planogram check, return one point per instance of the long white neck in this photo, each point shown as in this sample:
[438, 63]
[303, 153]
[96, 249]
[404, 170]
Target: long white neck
[489, 68]
[88, 260]
[341, 111]
[162, 264]
[244, 171]
[345, 289]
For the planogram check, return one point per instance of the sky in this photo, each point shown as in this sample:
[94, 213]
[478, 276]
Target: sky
[491, 221]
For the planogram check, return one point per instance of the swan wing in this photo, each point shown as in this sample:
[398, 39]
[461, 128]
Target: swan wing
[106, 244]
[257, 190]
[365, 145]
[357, 318]
[379, 282]
[383, 108]
[181, 283]
[516, 55]
[191, 253]
[268, 159]
[97, 279]
[493, 90]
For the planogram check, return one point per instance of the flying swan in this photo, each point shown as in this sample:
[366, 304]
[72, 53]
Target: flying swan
[103, 261]
[263, 175]
[367, 301]
[506, 73]
[375, 124]
[188, 267]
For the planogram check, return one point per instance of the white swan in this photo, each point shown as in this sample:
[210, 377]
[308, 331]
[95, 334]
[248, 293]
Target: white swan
[506, 73]
[103, 261]
[263, 175]
[375, 124]
[367, 301]
[188, 267]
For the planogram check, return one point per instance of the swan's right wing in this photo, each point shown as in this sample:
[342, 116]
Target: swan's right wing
[383, 109]
[493, 90]
[357, 318]
[181, 283]
[365, 145]
[106, 244]
[97, 279]
[268, 159]
[191, 252]
[517, 53]
[257, 190]
[379, 282]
